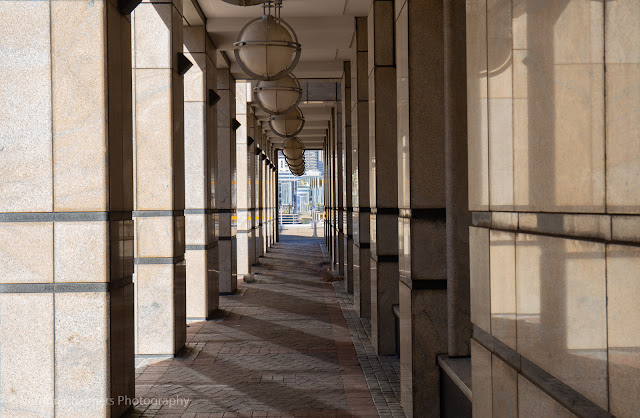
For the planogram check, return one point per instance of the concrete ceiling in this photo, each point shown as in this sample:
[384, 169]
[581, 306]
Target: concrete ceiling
[324, 27]
[325, 30]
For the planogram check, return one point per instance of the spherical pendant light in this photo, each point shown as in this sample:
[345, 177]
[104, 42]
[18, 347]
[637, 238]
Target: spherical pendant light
[296, 164]
[298, 172]
[278, 97]
[267, 48]
[287, 125]
[293, 149]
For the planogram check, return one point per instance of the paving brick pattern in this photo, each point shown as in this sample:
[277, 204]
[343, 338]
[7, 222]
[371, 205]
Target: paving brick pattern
[282, 347]
[382, 373]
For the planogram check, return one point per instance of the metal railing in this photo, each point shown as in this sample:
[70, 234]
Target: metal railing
[289, 218]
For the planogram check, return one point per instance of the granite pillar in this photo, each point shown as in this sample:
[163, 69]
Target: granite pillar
[269, 195]
[383, 175]
[159, 179]
[275, 197]
[251, 161]
[331, 159]
[554, 194]
[274, 193]
[347, 178]
[339, 189]
[243, 95]
[258, 132]
[201, 252]
[327, 200]
[360, 169]
[422, 202]
[456, 179]
[261, 215]
[66, 234]
[226, 191]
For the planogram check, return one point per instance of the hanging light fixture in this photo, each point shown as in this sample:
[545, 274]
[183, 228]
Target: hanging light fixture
[280, 96]
[293, 149]
[297, 172]
[297, 163]
[267, 47]
[287, 125]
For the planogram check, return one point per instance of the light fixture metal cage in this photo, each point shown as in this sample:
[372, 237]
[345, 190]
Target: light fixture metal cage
[267, 17]
[262, 88]
[300, 117]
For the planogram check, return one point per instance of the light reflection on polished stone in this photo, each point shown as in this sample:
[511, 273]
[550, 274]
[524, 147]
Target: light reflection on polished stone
[503, 287]
[623, 309]
[562, 311]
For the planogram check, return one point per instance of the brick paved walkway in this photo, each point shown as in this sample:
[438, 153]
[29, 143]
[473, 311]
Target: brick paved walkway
[283, 348]
[381, 372]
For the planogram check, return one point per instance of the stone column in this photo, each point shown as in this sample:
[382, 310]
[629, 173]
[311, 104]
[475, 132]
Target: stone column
[251, 161]
[66, 235]
[268, 195]
[422, 202]
[347, 197]
[456, 179]
[339, 172]
[274, 196]
[277, 198]
[260, 207]
[258, 190]
[226, 182]
[201, 252]
[274, 193]
[555, 194]
[360, 169]
[243, 95]
[326, 190]
[335, 191]
[159, 180]
[383, 176]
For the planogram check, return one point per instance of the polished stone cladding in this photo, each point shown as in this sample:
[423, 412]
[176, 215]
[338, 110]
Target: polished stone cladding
[201, 241]
[383, 176]
[66, 234]
[360, 169]
[347, 178]
[160, 273]
[226, 188]
[554, 247]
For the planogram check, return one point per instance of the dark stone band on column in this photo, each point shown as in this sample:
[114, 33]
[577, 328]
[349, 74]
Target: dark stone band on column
[385, 258]
[436, 284]
[432, 214]
[385, 211]
[226, 238]
[481, 219]
[199, 211]
[65, 216]
[160, 260]
[78, 287]
[200, 247]
[156, 213]
[558, 390]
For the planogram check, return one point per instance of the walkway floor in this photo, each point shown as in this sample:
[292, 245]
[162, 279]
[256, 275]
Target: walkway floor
[283, 348]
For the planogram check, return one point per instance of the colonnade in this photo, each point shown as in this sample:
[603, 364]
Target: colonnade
[481, 198]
